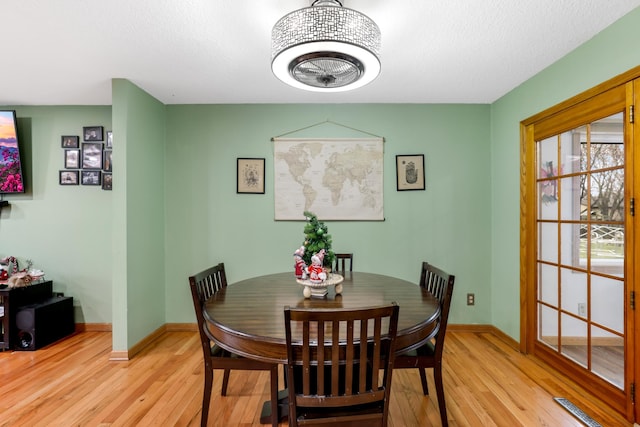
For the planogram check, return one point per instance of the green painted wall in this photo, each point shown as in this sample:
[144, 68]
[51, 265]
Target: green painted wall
[206, 220]
[139, 146]
[64, 230]
[610, 53]
[448, 224]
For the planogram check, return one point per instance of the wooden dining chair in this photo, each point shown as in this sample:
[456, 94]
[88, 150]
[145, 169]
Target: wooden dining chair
[341, 260]
[205, 285]
[429, 354]
[334, 361]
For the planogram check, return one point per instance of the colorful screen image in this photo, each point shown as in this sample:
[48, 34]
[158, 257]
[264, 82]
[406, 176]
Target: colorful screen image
[11, 180]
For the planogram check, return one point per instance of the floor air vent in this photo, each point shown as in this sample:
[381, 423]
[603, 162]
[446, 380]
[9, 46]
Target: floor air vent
[577, 412]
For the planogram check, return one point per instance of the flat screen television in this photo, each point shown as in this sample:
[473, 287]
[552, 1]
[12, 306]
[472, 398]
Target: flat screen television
[11, 178]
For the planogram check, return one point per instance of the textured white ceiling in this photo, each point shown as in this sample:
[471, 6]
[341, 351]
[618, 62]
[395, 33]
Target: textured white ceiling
[65, 52]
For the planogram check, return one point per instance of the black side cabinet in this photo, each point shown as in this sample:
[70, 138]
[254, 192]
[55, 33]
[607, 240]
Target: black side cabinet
[11, 300]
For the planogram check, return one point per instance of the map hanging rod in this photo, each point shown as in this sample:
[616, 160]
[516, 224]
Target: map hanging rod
[273, 138]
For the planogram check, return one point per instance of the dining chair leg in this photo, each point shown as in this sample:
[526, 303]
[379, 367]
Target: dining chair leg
[275, 415]
[423, 379]
[291, 411]
[437, 376]
[225, 381]
[206, 398]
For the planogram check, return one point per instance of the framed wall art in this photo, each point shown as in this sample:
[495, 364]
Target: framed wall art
[93, 133]
[92, 155]
[250, 178]
[69, 177]
[109, 141]
[72, 159]
[410, 172]
[107, 181]
[90, 177]
[106, 161]
[70, 141]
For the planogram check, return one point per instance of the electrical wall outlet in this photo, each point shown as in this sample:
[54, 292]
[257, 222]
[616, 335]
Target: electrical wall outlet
[582, 309]
[471, 299]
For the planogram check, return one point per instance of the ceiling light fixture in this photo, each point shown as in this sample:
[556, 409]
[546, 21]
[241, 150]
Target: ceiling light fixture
[325, 48]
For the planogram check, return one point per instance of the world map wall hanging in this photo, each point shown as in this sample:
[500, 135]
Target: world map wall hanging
[338, 179]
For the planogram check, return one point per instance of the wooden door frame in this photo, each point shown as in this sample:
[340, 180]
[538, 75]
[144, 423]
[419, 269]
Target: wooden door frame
[528, 242]
[633, 242]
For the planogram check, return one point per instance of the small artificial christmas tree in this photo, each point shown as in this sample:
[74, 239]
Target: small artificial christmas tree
[316, 238]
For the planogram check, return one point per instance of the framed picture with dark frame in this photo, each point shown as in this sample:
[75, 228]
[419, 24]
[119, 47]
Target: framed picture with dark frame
[250, 177]
[410, 172]
[93, 133]
[69, 177]
[109, 141]
[106, 161]
[91, 155]
[72, 159]
[70, 141]
[90, 177]
[107, 181]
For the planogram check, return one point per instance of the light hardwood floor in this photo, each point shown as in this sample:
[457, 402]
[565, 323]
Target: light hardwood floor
[72, 383]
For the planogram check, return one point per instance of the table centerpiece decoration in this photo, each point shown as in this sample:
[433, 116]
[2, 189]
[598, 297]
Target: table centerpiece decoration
[313, 260]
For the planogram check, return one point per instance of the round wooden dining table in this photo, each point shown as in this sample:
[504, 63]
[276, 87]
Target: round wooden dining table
[247, 317]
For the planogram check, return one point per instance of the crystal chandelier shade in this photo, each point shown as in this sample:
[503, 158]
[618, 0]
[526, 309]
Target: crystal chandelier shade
[326, 48]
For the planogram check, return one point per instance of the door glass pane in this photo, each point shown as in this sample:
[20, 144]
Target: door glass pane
[574, 340]
[607, 195]
[570, 152]
[570, 251]
[547, 176]
[607, 356]
[571, 196]
[548, 284]
[574, 292]
[607, 299]
[582, 137]
[605, 262]
[548, 326]
[548, 196]
[548, 237]
[548, 157]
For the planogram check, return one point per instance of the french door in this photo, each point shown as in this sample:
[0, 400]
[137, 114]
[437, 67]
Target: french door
[578, 193]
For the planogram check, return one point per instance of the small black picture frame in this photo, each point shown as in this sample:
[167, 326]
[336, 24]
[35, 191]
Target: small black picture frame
[410, 172]
[109, 140]
[69, 177]
[70, 141]
[91, 155]
[107, 181]
[91, 177]
[250, 176]
[106, 161]
[72, 159]
[93, 133]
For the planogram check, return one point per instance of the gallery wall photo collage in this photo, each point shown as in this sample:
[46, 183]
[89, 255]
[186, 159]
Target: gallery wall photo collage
[89, 162]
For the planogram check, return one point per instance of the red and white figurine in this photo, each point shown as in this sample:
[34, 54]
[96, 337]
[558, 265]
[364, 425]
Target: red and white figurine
[300, 266]
[316, 270]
